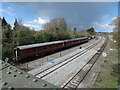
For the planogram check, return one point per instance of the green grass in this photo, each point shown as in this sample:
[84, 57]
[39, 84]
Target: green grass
[98, 80]
[108, 78]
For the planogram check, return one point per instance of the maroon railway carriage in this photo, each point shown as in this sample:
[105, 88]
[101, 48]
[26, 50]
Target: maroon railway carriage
[84, 39]
[43, 48]
[72, 42]
[37, 49]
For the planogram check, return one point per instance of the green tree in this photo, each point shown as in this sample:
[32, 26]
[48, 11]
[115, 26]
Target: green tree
[7, 51]
[20, 35]
[0, 44]
[47, 37]
[7, 45]
[7, 34]
[116, 36]
[16, 25]
[83, 33]
[116, 30]
[23, 36]
[75, 34]
[91, 31]
[42, 36]
[58, 28]
[4, 23]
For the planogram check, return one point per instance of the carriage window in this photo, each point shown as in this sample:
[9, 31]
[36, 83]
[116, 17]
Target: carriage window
[34, 50]
[50, 46]
[39, 49]
[55, 45]
[44, 47]
[26, 51]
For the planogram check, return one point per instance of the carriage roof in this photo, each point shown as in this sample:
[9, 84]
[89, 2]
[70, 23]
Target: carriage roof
[38, 45]
[47, 43]
[75, 39]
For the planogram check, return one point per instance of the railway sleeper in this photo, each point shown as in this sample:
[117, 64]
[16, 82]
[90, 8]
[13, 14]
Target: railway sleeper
[77, 82]
[74, 83]
[71, 86]
[78, 77]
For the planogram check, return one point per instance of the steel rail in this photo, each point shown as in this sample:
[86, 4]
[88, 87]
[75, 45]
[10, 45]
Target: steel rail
[81, 53]
[74, 82]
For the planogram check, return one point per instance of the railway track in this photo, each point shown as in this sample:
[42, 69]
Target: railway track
[63, 63]
[75, 80]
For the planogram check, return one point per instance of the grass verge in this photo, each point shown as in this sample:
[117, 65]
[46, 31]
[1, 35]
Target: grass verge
[108, 77]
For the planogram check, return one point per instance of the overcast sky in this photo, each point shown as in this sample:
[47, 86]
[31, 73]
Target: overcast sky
[81, 15]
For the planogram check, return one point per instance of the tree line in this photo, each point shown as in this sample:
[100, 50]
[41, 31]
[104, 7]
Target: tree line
[116, 36]
[56, 29]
